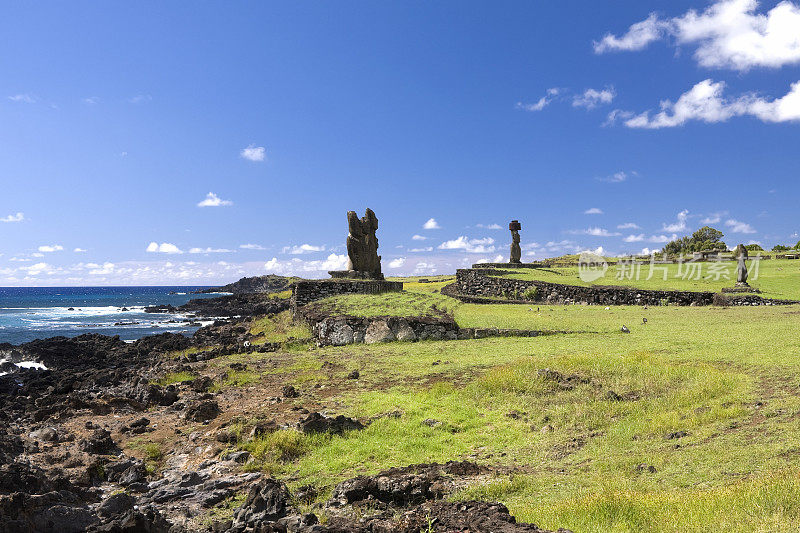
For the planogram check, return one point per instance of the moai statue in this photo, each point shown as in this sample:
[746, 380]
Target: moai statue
[363, 260]
[516, 251]
[740, 253]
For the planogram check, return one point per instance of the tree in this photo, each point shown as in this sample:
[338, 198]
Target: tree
[706, 238]
[780, 248]
[797, 246]
[754, 248]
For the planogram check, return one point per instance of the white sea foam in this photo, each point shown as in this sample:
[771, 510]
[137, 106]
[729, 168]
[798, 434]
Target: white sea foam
[31, 364]
[24, 364]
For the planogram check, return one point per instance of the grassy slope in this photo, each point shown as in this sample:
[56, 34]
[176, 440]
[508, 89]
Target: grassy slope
[389, 304]
[777, 278]
[568, 458]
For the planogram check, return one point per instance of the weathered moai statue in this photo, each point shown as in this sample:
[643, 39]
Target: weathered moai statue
[516, 251]
[362, 247]
[740, 253]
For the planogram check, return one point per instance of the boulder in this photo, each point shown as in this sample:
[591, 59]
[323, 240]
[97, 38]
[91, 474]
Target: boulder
[98, 443]
[339, 334]
[48, 434]
[267, 501]
[403, 332]
[378, 331]
[115, 504]
[202, 411]
[317, 423]
[289, 391]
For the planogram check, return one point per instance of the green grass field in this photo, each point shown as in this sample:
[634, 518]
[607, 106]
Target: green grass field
[776, 278]
[708, 397]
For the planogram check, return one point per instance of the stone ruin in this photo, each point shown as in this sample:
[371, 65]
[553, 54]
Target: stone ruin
[363, 274]
[362, 248]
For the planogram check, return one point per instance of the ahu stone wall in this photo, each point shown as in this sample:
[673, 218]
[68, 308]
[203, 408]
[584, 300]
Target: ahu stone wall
[340, 330]
[304, 292]
[485, 283]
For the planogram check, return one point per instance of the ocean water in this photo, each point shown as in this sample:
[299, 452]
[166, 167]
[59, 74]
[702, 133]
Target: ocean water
[28, 313]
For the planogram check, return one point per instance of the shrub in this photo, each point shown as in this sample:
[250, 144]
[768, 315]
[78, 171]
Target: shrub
[153, 451]
[531, 293]
[284, 445]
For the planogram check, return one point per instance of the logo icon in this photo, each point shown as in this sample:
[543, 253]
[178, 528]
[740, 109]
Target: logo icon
[591, 266]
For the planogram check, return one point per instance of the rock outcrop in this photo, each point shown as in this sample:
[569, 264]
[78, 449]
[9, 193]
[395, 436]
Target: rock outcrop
[256, 284]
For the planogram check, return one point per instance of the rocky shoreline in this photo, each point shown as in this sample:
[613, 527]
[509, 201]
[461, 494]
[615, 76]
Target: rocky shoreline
[76, 444]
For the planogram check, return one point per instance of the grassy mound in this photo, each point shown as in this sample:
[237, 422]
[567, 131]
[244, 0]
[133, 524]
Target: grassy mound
[776, 278]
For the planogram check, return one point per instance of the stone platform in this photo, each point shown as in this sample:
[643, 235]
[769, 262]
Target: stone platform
[355, 274]
[307, 291]
[740, 289]
[508, 265]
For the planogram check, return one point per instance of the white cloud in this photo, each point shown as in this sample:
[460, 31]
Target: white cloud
[561, 247]
[431, 224]
[634, 238]
[637, 37]
[212, 200]
[19, 217]
[657, 239]
[297, 266]
[595, 232]
[140, 99]
[489, 226]
[397, 263]
[646, 251]
[728, 34]
[705, 102]
[209, 250]
[38, 268]
[91, 100]
[48, 248]
[425, 249]
[104, 270]
[593, 211]
[679, 225]
[472, 246]
[617, 177]
[302, 249]
[425, 268]
[628, 225]
[597, 251]
[164, 248]
[254, 153]
[79, 250]
[712, 219]
[739, 227]
[543, 102]
[591, 98]
[418, 238]
[23, 98]
[251, 247]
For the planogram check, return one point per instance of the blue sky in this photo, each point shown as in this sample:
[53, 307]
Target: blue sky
[596, 124]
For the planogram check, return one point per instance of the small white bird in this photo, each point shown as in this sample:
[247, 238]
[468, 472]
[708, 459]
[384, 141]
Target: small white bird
[625, 329]
[607, 308]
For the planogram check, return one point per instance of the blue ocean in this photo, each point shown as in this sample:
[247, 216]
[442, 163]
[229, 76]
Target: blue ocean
[28, 313]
